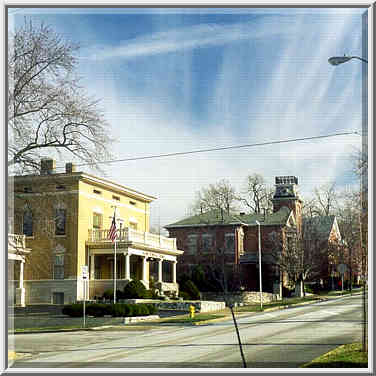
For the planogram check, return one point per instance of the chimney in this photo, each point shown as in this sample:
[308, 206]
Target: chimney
[69, 168]
[47, 166]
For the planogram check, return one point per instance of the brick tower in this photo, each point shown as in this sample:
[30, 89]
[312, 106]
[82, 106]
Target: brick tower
[286, 194]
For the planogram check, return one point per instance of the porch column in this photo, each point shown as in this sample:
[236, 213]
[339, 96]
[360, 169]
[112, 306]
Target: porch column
[127, 266]
[21, 274]
[21, 288]
[174, 271]
[144, 268]
[92, 266]
[160, 270]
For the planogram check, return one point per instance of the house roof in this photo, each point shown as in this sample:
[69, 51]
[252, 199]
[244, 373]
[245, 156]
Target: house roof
[321, 225]
[216, 217]
[106, 184]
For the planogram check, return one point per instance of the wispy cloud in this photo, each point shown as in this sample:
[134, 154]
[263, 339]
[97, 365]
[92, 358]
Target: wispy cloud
[202, 35]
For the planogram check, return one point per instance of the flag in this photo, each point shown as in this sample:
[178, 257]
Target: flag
[112, 233]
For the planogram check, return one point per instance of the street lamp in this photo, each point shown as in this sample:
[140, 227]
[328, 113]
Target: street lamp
[259, 250]
[336, 60]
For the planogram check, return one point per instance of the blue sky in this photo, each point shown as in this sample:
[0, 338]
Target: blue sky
[180, 80]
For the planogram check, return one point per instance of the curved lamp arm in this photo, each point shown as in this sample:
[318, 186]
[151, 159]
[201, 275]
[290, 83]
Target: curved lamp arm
[336, 60]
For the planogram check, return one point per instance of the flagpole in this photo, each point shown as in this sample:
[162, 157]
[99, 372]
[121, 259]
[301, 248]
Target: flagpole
[115, 241]
[115, 272]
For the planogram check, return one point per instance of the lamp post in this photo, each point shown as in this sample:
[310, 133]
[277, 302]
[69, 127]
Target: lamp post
[259, 252]
[336, 60]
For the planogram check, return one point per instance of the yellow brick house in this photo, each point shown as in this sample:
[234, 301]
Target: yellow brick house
[66, 218]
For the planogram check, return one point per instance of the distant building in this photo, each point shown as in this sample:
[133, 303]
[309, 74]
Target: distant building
[65, 218]
[236, 237]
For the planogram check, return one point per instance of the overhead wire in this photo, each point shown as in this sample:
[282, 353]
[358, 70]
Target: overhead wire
[215, 149]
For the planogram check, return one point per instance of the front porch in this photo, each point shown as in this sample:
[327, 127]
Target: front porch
[139, 255]
[17, 253]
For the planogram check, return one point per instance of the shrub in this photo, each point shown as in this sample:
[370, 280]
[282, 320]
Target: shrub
[73, 310]
[184, 295]
[108, 294]
[134, 290]
[152, 309]
[118, 310]
[191, 289]
[129, 310]
[97, 310]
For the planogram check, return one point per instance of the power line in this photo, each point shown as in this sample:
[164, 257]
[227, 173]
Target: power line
[217, 149]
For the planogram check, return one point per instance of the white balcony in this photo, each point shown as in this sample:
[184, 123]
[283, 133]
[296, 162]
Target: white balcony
[16, 241]
[128, 235]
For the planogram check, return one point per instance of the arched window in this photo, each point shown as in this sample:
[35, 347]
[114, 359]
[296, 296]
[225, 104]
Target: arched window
[27, 225]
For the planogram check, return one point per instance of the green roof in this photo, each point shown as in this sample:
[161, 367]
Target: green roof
[322, 225]
[216, 217]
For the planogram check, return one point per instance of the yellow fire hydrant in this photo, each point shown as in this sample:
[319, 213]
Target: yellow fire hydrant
[191, 311]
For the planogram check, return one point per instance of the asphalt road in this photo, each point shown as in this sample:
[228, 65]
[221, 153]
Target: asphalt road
[278, 339]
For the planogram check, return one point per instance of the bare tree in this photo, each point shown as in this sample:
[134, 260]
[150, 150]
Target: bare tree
[326, 199]
[350, 227]
[256, 195]
[299, 255]
[47, 109]
[218, 196]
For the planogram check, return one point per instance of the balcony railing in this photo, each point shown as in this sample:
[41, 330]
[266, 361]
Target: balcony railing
[17, 241]
[128, 235]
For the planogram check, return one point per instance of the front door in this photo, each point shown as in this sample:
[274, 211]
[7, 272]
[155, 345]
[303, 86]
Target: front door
[58, 298]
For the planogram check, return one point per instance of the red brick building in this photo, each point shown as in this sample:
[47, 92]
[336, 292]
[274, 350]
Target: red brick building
[216, 237]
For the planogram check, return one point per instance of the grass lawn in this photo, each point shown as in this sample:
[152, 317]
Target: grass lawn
[184, 319]
[345, 356]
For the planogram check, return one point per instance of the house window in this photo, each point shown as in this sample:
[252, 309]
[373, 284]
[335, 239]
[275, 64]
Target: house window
[192, 243]
[132, 202]
[60, 187]
[207, 242]
[229, 243]
[117, 198]
[97, 192]
[28, 223]
[60, 220]
[133, 226]
[59, 267]
[97, 221]
[28, 189]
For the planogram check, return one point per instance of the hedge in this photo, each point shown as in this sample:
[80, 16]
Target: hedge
[115, 310]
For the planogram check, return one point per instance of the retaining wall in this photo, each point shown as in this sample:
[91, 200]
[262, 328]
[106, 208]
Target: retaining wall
[245, 297]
